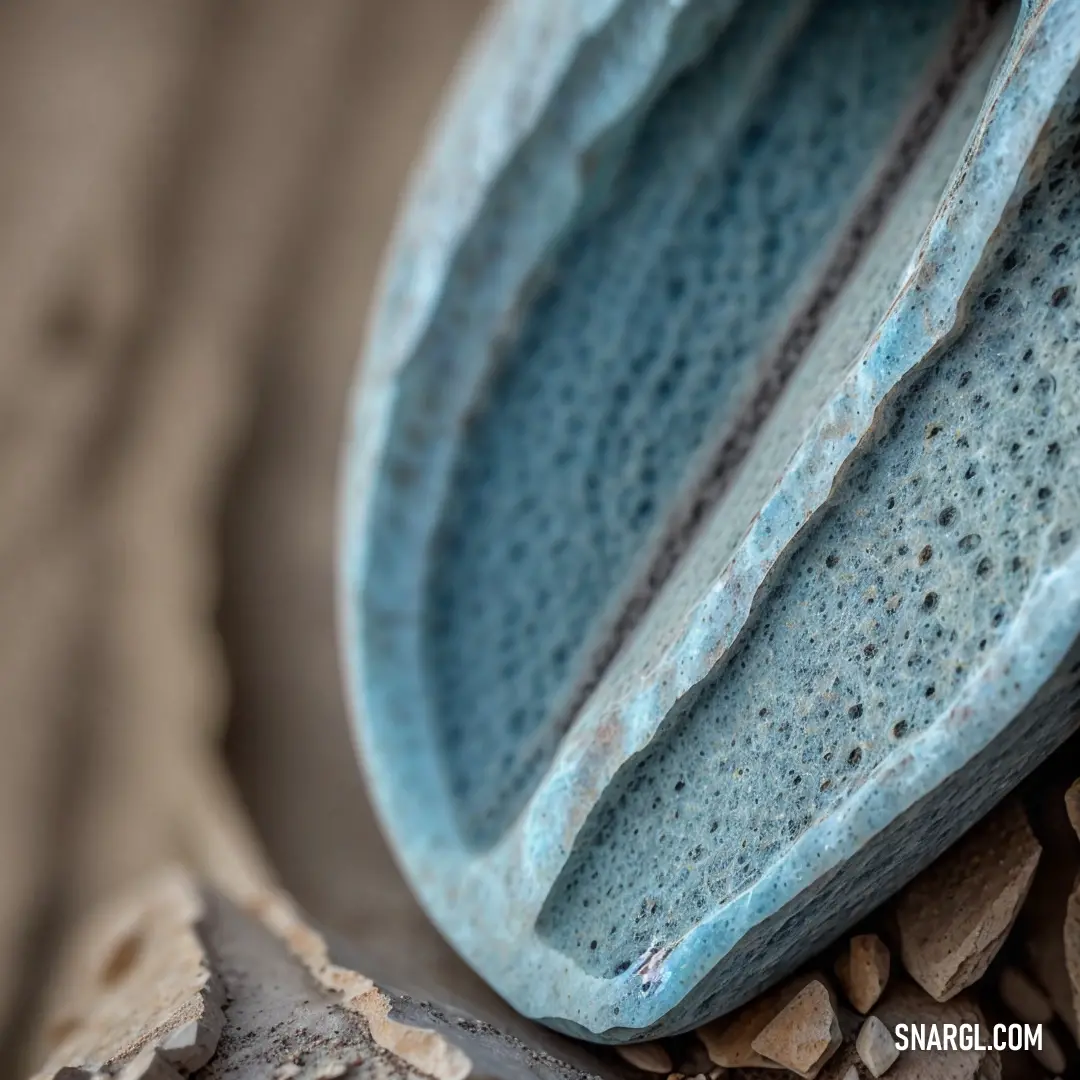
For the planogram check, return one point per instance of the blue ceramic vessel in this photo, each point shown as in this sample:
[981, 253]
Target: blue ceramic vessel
[711, 549]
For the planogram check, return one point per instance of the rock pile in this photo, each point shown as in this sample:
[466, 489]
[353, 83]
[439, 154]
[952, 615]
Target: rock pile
[988, 934]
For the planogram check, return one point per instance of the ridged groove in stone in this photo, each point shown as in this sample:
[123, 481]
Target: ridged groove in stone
[879, 618]
[638, 353]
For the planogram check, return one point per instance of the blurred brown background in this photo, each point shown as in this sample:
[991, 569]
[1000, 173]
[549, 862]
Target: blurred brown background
[194, 195]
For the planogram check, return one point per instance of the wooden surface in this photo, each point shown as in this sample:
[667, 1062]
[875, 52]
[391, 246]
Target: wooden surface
[178, 979]
[193, 198]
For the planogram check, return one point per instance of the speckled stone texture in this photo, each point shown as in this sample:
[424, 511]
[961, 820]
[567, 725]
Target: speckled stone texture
[712, 509]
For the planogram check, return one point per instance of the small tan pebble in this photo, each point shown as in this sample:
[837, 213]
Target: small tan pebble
[728, 1041]
[1051, 918]
[649, 1056]
[876, 1047]
[804, 1034]
[863, 970]
[1050, 1055]
[148, 1065]
[1023, 998]
[1070, 934]
[954, 917]
[1072, 805]
[1071, 937]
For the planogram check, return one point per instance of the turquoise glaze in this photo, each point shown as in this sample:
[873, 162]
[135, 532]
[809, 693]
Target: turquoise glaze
[712, 503]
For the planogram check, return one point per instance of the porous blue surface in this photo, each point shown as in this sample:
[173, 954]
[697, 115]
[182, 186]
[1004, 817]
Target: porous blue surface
[603, 279]
[886, 607]
[635, 354]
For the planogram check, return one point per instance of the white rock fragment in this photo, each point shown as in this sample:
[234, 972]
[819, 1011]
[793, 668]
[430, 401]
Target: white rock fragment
[804, 1034]
[906, 1003]
[195, 1040]
[149, 1065]
[876, 1047]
